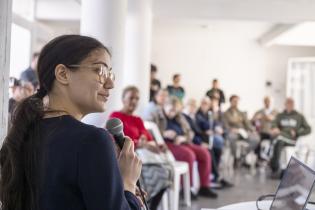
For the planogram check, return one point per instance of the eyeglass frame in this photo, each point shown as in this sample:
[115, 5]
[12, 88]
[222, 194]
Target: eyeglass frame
[104, 67]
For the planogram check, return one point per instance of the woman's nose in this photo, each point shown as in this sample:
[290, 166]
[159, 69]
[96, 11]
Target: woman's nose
[109, 84]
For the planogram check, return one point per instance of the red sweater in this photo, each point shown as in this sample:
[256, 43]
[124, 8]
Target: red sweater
[133, 126]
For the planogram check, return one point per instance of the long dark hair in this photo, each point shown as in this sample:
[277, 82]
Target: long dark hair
[20, 152]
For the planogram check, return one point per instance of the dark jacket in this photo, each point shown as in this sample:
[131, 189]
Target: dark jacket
[199, 136]
[30, 75]
[210, 93]
[79, 168]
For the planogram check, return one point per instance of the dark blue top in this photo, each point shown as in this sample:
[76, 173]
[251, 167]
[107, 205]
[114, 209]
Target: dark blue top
[199, 136]
[79, 168]
[30, 75]
[202, 120]
[175, 126]
[172, 124]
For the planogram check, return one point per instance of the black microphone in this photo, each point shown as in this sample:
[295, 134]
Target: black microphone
[116, 128]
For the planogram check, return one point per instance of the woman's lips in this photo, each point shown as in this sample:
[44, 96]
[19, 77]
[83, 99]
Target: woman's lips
[104, 97]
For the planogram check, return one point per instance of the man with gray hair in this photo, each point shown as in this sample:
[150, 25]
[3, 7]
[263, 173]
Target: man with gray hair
[286, 129]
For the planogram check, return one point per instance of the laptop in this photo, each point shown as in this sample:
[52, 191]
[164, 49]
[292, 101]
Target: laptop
[295, 187]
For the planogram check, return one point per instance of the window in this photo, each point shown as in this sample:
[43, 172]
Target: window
[20, 50]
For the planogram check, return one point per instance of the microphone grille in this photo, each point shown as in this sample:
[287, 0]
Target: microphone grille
[114, 126]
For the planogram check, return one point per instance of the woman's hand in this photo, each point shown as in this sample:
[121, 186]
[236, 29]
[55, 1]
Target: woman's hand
[170, 134]
[180, 140]
[275, 132]
[163, 148]
[130, 166]
[209, 132]
[142, 141]
[152, 146]
[204, 145]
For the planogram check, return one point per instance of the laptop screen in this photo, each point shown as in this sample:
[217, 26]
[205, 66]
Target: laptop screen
[295, 187]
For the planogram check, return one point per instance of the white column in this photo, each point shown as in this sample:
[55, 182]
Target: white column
[105, 20]
[5, 37]
[138, 47]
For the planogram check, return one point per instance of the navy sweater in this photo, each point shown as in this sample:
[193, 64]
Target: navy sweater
[79, 169]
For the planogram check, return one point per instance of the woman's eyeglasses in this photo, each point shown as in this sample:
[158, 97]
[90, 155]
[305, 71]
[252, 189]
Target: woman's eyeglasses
[102, 70]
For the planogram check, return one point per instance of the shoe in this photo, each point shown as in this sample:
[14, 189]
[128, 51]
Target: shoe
[207, 192]
[216, 185]
[226, 184]
[193, 196]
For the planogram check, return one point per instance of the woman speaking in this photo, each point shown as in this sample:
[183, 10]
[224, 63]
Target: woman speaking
[49, 159]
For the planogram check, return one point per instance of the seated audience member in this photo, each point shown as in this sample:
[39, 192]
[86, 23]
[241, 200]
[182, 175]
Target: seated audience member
[216, 92]
[238, 126]
[262, 120]
[286, 128]
[30, 74]
[202, 137]
[27, 89]
[175, 89]
[179, 136]
[134, 128]
[20, 91]
[218, 128]
[15, 87]
[204, 117]
[154, 110]
[155, 84]
[189, 112]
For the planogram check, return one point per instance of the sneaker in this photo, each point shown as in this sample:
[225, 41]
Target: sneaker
[207, 192]
[226, 184]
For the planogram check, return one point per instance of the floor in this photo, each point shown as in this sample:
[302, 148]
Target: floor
[248, 187]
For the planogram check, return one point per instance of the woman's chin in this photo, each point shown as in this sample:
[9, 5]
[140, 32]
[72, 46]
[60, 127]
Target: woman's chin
[101, 107]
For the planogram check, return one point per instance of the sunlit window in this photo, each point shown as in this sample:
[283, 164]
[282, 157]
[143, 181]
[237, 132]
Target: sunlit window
[20, 50]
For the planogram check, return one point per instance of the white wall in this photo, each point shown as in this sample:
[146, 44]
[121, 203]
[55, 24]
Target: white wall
[225, 50]
[276, 66]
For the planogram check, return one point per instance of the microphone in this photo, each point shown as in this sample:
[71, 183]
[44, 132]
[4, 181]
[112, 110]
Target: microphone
[116, 128]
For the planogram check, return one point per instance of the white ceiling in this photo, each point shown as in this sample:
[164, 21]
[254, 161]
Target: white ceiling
[271, 12]
[300, 35]
[276, 11]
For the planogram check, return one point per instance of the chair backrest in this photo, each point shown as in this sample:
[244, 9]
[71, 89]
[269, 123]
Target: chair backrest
[157, 136]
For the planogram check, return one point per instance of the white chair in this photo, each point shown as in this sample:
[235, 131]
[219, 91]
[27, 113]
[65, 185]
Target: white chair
[227, 162]
[180, 169]
[300, 151]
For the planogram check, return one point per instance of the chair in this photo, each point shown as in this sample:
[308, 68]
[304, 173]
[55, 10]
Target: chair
[300, 151]
[241, 151]
[180, 169]
[227, 162]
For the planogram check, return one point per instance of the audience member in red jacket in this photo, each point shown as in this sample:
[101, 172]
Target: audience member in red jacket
[134, 128]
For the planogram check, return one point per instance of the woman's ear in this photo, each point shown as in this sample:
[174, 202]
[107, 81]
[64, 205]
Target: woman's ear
[62, 74]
